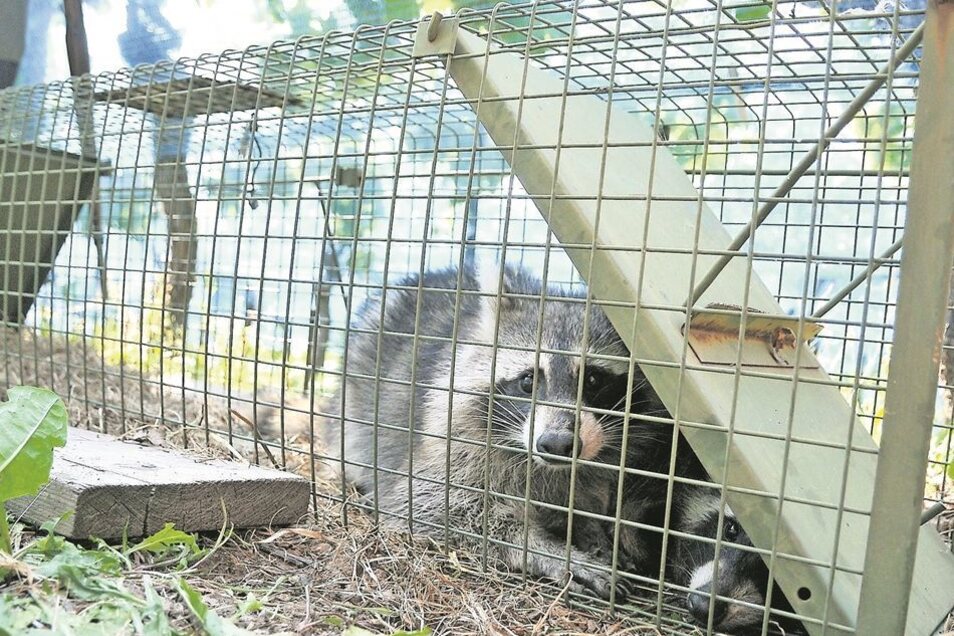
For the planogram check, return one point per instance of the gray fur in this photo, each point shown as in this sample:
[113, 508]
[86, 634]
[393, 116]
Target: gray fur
[504, 470]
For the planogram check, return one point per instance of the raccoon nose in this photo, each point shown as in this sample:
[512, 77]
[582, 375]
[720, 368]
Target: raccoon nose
[699, 607]
[556, 443]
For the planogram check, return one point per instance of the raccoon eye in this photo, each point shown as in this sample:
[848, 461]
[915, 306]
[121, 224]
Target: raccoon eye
[594, 378]
[526, 382]
[731, 530]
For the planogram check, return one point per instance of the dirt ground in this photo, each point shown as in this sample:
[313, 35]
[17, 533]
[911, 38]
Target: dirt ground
[322, 577]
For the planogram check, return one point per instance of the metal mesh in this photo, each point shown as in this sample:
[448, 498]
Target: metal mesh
[206, 242]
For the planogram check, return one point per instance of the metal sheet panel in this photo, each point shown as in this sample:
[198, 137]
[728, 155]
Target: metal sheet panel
[41, 191]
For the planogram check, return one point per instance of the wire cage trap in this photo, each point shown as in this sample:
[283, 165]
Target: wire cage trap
[630, 271]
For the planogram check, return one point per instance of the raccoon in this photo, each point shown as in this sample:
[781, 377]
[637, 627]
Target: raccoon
[742, 574]
[427, 409]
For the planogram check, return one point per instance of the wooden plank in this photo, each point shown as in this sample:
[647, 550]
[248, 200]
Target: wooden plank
[113, 485]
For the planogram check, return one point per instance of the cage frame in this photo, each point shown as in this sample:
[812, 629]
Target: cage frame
[376, 39]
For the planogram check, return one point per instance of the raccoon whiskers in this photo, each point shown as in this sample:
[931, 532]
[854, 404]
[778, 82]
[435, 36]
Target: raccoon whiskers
[512, 422]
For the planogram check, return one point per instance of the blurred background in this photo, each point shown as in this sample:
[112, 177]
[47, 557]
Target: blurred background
[130, 32]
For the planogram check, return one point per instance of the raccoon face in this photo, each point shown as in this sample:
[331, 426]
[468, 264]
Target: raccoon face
[548, 428]
[742, 577]
[538, 337]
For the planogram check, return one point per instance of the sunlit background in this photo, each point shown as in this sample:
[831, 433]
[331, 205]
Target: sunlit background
[131, 32]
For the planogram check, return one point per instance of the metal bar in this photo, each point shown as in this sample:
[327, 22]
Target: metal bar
[932, 512]
[873, 266]
[912, 377]
[806, 162]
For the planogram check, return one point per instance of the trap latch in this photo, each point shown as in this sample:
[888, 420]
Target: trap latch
[767, 341]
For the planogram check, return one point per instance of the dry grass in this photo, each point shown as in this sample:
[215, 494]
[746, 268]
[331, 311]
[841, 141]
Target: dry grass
[324, 577]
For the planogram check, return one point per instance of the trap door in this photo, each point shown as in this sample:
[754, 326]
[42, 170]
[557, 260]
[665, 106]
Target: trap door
[601, 179]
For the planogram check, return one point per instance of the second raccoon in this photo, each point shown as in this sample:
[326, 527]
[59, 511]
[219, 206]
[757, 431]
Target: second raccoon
[740, 577]
[425, 406]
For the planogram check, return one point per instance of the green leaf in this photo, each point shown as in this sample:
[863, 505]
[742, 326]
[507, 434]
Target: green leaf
[16, 614]
[251, 604]
[165, 541]
[32, 422]
[211, 623]
[155, 622]
[424, 631]
[88, 574]
[752, 13]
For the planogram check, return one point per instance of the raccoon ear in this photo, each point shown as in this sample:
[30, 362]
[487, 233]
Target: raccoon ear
[490, 282]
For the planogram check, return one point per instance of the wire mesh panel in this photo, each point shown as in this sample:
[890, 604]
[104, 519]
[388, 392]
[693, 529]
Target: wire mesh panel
[356, 256]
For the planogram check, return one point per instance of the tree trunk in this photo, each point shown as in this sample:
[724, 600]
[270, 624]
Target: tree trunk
[77, 52]
[172, 189]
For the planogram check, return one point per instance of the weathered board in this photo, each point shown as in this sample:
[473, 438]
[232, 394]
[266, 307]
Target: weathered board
[114, 486]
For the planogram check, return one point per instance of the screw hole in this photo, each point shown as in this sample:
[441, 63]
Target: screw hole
[804, 593]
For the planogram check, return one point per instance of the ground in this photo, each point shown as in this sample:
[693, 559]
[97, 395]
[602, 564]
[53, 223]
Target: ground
[319, 577]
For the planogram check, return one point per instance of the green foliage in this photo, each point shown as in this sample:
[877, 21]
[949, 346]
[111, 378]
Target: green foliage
[85, 574]
[79, 590]
[753, 13]
[250, 605]
[168, 541]
[94, 576]
[304, 18]
[153, 620]
[32, 422]
[212, 624]
[896, 128]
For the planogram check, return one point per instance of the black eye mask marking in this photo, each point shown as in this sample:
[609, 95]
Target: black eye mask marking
[521, 385]
[604, 389]
[525, 382]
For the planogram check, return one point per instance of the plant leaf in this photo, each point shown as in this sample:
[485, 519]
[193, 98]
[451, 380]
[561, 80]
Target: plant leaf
[251, 604]
[32, 422]
[91, 575]
[167, 540]
[154, 618]
[752, 14]
[211, 623]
